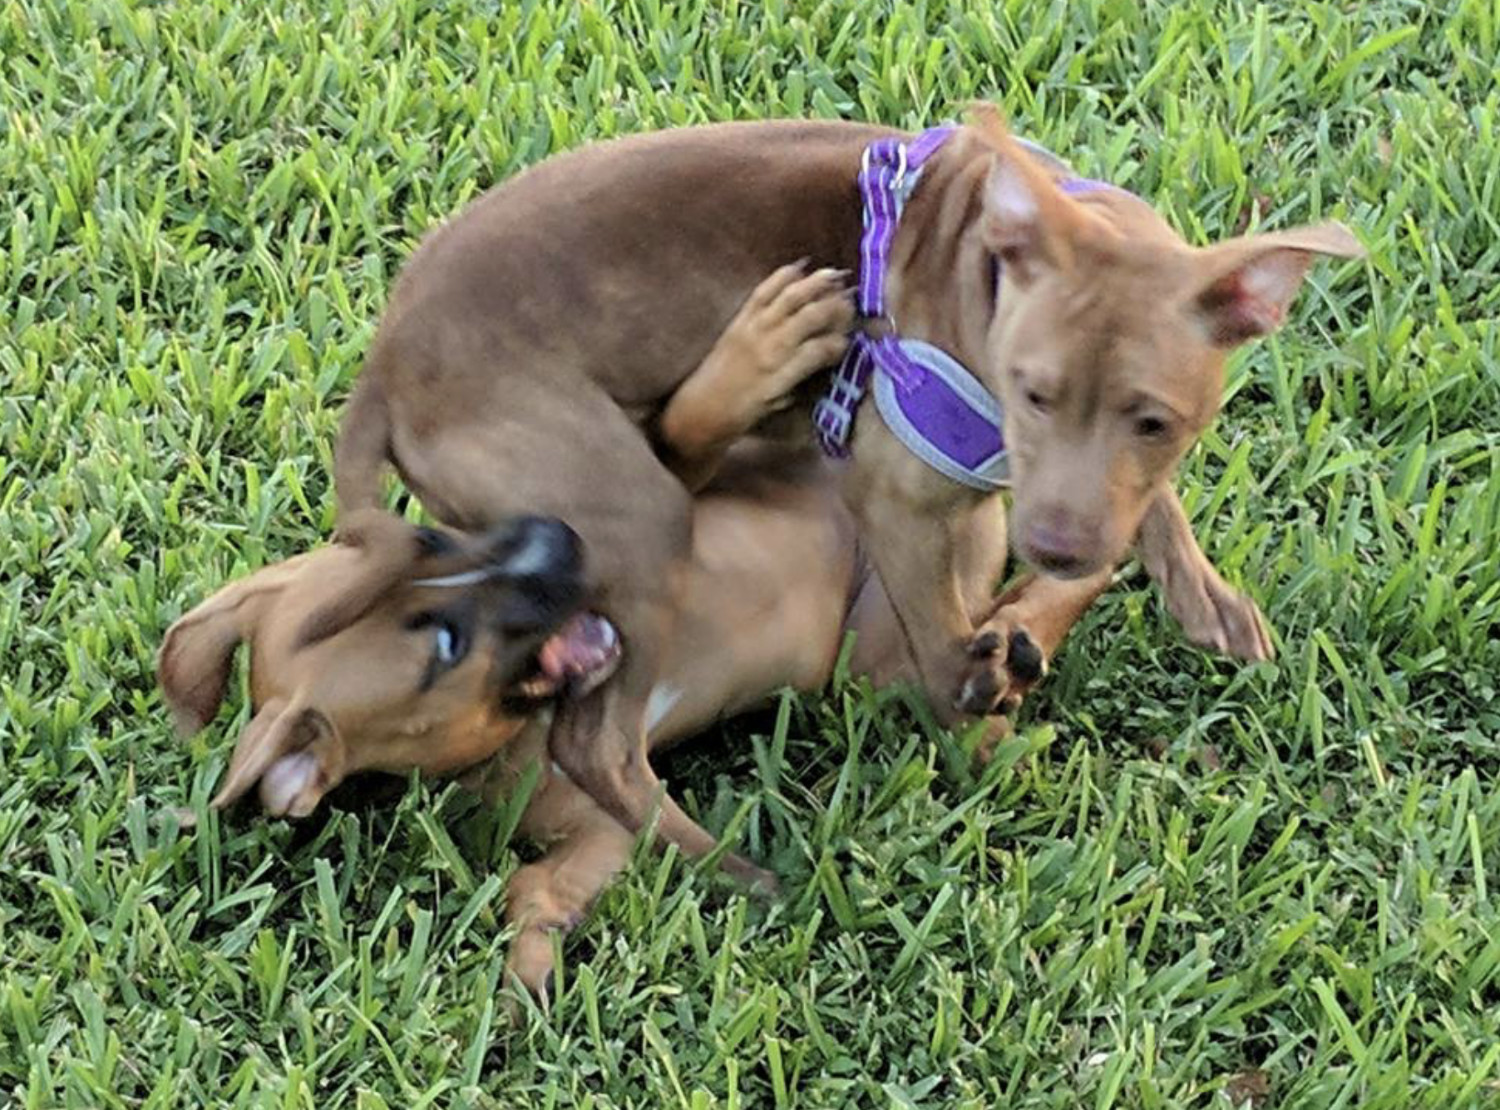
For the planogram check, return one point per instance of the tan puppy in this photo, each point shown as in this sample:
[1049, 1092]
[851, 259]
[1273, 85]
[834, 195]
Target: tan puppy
[360, 651]
[404, 648]
[530, 341]
[432, 671]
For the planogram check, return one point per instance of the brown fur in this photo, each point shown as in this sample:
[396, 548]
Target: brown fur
[530, 340]
[774, 582]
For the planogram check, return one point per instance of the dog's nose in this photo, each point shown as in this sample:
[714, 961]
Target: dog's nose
[539, 565]
[1056, 544]
[537, 547]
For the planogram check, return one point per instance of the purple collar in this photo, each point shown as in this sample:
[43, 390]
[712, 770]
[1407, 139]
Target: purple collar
[929, 400]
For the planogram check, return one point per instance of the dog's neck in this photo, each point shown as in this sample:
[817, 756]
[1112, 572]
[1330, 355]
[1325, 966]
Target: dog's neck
[496, 775]
[940, 280]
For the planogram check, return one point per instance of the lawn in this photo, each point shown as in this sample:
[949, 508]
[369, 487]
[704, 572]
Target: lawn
[1187, 883]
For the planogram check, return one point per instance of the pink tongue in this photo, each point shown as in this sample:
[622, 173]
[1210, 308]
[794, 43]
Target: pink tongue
[586, 647]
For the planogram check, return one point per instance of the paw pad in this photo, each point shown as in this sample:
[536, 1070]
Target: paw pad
[985, 644]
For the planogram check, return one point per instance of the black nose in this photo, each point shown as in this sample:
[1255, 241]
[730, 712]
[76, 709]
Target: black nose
[540, 564]
[536, 547]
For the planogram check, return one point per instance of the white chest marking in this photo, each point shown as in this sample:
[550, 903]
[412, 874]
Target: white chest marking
[659, 704]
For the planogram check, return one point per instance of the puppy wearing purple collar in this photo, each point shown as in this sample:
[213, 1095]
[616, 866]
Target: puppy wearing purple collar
[538, 343]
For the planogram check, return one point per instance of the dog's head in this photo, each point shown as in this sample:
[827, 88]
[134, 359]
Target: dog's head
[1109, 340]
[396, 648]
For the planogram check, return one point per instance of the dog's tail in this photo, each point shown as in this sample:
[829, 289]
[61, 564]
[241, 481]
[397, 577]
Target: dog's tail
[363, 450]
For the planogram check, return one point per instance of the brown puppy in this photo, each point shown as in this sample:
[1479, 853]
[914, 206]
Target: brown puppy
[361, 650]
[407, 648]
[774, 584]
[530, 340]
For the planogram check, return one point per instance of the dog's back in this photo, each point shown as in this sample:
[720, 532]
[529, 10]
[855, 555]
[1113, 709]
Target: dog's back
[604, 274]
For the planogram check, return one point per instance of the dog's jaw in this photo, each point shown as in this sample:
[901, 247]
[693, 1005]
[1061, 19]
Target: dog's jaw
[581, 655]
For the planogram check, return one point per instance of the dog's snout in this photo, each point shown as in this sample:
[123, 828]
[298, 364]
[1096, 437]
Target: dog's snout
[1059, 544]
[538, 547]
[539, 561]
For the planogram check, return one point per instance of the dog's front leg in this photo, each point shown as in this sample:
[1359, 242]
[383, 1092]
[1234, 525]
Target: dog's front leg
[552, 895]
[600, 741]
[791, 325]
[1034, 616]
[1212, 613]
[919, 529]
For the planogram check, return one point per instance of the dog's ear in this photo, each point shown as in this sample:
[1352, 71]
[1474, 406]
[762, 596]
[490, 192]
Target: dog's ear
[1029, 223]
[1242, 289]
[389, 547]
[281, 737]
[197, 653]
[295, 783]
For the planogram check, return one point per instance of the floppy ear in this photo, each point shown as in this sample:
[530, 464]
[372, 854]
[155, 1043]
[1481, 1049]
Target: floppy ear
[388, 546]
[1029, 223]
[196, 655]
[276, 731]
[1243, 288]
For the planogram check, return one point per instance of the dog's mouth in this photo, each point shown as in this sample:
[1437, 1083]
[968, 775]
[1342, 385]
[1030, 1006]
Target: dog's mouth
[1056, 565]
[575, 660]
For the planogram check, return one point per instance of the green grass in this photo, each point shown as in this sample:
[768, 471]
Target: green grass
[1187, 882]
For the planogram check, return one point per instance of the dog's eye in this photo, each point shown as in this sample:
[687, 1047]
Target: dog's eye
[449, 642]
[433, 542]
[1034, 397]
[1150, 427]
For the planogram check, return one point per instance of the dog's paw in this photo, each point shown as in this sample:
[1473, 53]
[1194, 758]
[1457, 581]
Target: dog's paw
[1215, 615]
[529, 962]
[758, 882]
[1005, 662]
[793, 324]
